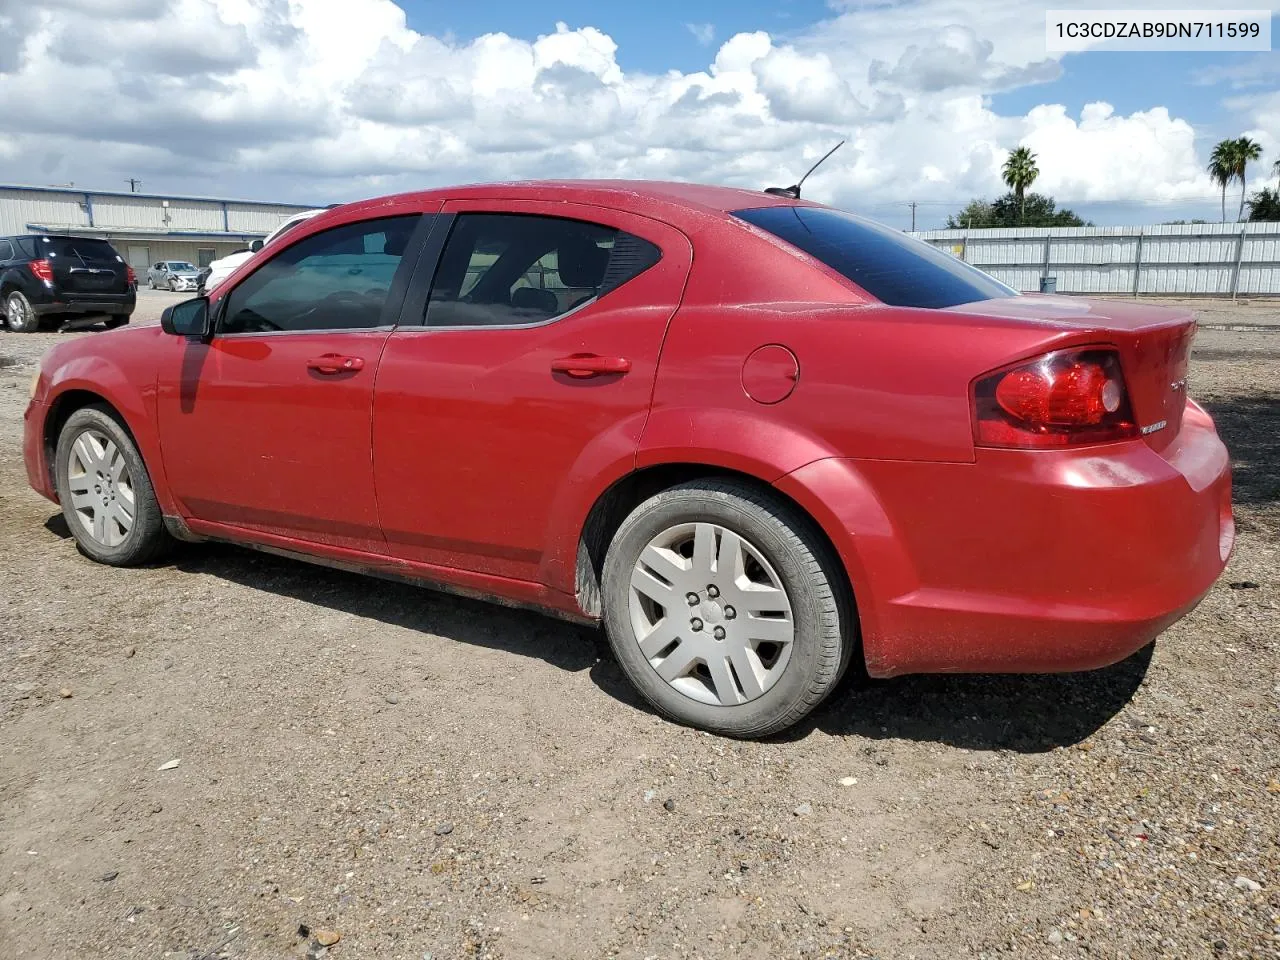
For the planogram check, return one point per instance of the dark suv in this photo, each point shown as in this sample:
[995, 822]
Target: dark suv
[44, 275]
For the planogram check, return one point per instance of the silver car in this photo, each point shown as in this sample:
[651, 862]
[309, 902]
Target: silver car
[173, 275]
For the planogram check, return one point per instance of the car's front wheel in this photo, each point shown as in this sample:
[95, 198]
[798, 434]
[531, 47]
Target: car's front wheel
[20, 314]
[726, 609]
[106, 493]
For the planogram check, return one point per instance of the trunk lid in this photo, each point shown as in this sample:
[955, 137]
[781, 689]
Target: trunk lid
[85, 265]
[1154, 345]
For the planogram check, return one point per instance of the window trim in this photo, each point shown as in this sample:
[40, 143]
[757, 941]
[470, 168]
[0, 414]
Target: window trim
[392, 307]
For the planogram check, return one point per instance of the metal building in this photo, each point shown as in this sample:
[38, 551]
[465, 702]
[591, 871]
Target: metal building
[1183, 260]
[143, 227]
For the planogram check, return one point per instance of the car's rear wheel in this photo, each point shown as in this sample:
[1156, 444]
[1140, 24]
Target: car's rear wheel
[18, 311]
[725, 608]
[113, 322]
[106, 493]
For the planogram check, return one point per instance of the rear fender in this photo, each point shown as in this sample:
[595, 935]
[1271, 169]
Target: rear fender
[745, 441]
[839, 498]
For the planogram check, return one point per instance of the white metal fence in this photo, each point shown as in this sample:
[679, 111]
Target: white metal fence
[1202, 259]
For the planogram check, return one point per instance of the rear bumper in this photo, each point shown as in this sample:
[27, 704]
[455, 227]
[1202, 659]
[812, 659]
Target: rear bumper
[120, 304]
[1028, 561]
[33, 453]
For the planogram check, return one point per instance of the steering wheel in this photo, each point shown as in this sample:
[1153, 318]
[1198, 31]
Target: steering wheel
[339, 299]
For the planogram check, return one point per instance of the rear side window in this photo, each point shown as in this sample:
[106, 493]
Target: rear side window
[6, 250]
[506, 270]
[85, 248]
[894, 268]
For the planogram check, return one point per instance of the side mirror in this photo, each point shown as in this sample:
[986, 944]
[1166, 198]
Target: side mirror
[255, 245]
[190, 318]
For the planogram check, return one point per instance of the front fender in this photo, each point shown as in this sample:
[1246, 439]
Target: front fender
[133, 400]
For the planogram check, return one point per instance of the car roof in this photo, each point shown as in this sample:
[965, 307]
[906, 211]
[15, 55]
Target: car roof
[51, 236]
[666, 199]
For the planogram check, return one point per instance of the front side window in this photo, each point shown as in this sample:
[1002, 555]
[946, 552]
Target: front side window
[334, 280]
[894, 268]
[506, 270]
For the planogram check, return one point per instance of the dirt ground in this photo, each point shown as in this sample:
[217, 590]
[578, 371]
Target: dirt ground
[433, 777]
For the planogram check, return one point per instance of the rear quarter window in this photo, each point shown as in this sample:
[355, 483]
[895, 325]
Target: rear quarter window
[894, 268]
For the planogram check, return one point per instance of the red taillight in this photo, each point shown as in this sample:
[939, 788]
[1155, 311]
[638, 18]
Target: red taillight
[43, 270]
[1062, 399]
[129, 275]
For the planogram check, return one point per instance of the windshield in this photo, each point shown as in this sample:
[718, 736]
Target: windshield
[181, 266]
[84, 248]
[894, 268]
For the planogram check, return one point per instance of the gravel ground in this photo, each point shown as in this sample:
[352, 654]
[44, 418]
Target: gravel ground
[429, 776]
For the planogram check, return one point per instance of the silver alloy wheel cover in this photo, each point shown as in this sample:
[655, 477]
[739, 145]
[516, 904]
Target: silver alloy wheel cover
[101, 488]
[710, 614]
[17, 312]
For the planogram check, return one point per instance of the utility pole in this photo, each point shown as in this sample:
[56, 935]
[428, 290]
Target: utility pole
[913, 216]
[134, 183]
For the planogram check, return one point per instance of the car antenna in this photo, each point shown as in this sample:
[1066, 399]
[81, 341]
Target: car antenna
[793, 191]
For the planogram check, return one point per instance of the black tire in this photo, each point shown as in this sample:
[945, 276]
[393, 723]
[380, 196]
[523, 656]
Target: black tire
[29, 322]
[147, 539]
[825, 629]
[113, 322]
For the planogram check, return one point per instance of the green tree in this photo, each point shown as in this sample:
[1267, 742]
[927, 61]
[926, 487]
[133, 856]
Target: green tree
[1010, 210]
[1265, 205]
[1020, 171]
[1222, 169]
[1243, 150]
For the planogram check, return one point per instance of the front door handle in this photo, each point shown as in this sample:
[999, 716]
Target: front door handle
[332, 363]
[584, 365]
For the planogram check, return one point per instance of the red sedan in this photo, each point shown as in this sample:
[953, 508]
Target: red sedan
[755, 436]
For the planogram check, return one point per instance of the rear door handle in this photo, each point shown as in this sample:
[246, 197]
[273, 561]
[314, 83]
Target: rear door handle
[584, 365]
[332, 363]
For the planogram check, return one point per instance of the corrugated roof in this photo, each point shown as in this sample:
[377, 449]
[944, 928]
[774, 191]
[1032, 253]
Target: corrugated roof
[77, 191]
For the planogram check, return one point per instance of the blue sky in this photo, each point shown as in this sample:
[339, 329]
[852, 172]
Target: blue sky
[659, 35]
[319, 100]
[652, 35]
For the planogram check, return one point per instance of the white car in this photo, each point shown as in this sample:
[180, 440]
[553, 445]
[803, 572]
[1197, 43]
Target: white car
[219, 270]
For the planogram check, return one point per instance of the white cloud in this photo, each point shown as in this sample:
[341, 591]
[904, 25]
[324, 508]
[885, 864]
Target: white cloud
[1101, 156]
[704, 33]
[313, 100]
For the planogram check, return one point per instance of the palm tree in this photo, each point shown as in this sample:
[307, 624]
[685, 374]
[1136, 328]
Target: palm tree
[1020, 171]
[1243, 150]
[1222, 169]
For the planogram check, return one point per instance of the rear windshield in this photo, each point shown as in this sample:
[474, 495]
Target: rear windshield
[77, 247]
[894, 268]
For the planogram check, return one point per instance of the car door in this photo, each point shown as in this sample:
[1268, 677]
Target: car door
[533, 365]
[266, 427]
